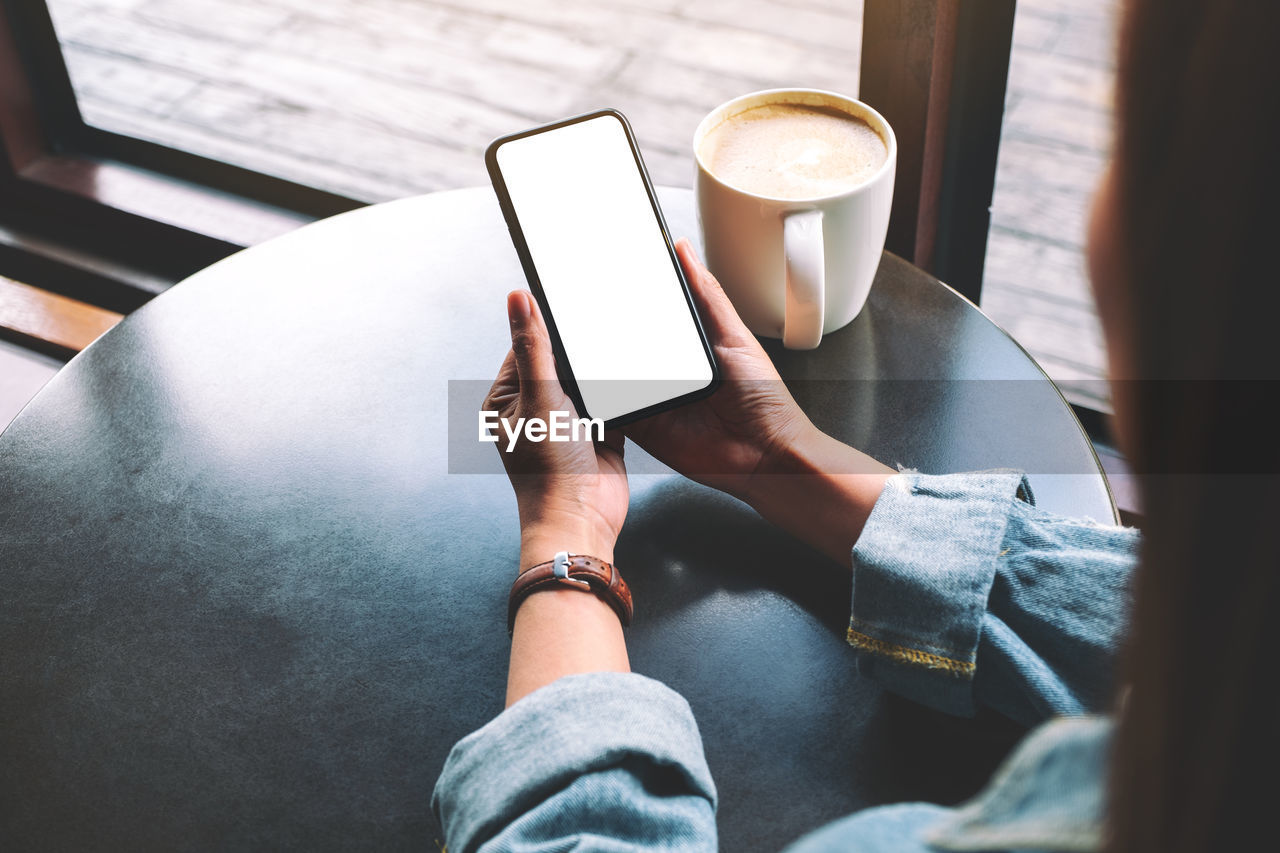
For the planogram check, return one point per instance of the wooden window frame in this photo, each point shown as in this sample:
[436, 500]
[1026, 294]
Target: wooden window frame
[107, 218]
[938, 70]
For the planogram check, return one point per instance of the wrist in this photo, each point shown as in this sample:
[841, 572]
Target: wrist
[541, 540]
[820, 490]
[784, 463]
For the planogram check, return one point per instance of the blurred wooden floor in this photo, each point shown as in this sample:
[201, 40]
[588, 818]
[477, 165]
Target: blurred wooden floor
[379, 99]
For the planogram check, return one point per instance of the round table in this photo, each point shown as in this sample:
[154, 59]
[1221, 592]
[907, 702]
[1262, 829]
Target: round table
[249, 597]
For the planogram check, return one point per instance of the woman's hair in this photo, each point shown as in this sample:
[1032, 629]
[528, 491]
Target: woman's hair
[1197, 193]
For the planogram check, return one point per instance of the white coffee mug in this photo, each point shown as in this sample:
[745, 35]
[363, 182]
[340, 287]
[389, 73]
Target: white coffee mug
[795, 269]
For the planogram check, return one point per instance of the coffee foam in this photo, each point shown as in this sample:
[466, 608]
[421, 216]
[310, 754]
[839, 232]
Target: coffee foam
[793, 151]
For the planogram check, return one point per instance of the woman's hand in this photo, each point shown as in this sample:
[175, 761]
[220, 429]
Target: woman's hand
[728, 439]
[572, 495]
[751, 439]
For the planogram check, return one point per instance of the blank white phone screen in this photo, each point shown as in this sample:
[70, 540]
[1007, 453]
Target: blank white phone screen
[600, 256]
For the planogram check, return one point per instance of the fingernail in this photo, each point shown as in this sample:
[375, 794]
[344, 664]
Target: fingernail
[517, 308]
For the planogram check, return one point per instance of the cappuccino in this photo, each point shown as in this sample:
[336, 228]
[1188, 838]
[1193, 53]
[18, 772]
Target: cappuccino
[793, 151]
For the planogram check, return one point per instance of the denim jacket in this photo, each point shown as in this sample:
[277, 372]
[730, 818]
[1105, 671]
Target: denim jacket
[964, 594]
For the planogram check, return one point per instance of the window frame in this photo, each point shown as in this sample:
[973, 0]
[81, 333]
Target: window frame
[107, 218]
[938, 70]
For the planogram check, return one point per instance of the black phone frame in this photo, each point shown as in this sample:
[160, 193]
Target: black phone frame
[563, 368]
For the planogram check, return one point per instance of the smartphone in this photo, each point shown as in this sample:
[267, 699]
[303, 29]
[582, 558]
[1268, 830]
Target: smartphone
[586, 224]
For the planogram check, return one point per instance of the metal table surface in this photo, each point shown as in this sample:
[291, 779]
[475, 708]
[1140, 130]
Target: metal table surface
[245, 604]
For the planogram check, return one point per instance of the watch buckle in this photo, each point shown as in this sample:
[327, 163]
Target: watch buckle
[560, 568]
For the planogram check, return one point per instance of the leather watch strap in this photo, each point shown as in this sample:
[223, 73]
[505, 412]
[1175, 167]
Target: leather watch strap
[579, 571]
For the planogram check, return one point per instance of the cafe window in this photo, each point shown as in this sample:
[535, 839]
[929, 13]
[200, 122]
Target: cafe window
[304, 108]
[1055, 141]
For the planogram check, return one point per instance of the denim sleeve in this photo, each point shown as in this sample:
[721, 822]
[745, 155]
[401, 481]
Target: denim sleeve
[1049, 794]
[594, 761]
[966, 594]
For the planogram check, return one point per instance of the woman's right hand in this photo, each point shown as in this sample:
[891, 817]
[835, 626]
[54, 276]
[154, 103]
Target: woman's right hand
[727, 439]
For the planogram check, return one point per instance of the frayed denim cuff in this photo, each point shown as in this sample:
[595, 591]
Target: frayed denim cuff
[922, 573]
[575, 726]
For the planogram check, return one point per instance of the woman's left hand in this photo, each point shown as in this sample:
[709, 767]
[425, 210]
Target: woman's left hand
[572, 495]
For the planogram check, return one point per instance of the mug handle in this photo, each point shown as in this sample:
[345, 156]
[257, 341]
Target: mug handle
[803, 253]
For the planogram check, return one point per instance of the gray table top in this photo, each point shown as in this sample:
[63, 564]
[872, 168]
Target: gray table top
[245, 603]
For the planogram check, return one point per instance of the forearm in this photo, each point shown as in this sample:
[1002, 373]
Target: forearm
[562, 632]
[821, 491]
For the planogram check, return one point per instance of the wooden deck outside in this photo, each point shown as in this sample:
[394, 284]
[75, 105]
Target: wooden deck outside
[385, 98]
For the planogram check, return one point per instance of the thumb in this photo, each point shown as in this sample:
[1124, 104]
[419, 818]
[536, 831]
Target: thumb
[721, 318]
[529, 339]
